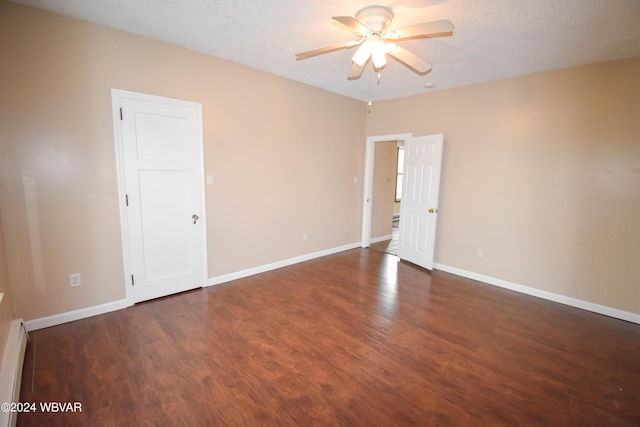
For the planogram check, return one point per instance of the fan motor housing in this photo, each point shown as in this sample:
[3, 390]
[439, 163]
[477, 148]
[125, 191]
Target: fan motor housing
[376, 18]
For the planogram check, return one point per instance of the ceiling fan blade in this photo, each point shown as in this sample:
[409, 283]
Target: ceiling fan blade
[327, 49]
[355, 72]
[410, 59]
[427, 29]
[352, 24]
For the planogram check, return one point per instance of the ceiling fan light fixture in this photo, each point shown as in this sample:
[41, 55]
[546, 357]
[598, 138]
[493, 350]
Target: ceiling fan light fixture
[363, 53]
[379, 57]
[372, 25]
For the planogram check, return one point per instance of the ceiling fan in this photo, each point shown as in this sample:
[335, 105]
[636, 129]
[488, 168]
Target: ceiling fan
[377, 41]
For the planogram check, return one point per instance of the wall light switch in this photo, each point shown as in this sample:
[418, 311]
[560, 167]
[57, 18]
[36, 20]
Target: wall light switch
[74, 280]
[209, 179]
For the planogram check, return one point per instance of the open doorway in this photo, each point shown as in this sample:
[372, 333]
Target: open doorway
[367, 207]
[420, 191]
[388, 163]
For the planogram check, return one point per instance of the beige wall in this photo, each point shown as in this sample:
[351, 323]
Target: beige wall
[543, 174]
[283, 157]
[6, 307]
[384, 187]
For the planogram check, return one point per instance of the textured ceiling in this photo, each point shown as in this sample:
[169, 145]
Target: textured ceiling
[493, 39]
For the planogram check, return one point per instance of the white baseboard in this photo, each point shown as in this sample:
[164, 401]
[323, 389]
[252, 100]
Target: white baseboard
[279, 264]
[562, 299]
[83, 313]
[70, 316]
[11, 373]
[381, 239]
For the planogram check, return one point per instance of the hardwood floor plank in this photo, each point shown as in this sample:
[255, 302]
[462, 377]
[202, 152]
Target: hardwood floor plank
[355, 338]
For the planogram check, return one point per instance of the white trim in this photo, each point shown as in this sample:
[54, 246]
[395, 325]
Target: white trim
[562, 299]
[83, 313]
[368, 181]
[279, 264]
[380, 239]
[70, 316]
[11, 371]
[116, 96]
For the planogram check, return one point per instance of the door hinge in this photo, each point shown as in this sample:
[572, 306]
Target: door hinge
[126, 199]
[133, 282]
[120, 113]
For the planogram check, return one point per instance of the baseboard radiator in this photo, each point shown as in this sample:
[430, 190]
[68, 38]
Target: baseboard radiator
[11, 373]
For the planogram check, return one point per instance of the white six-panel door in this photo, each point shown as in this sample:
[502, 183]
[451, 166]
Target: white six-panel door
[161, 154]
[419, 207]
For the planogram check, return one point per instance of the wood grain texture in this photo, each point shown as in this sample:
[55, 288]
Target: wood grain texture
[356, 339]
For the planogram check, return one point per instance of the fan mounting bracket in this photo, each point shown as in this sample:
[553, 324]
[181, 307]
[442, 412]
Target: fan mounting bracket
[376, 18]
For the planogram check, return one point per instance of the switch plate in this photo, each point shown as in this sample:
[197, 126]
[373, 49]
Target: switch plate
[479, 253]
[74, 280]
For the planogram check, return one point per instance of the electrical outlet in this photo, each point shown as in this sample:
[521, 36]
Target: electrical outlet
[479, 253]
[74, 280]
[305, 236]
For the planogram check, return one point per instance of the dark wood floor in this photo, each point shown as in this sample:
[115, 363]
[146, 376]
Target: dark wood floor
[352, 339]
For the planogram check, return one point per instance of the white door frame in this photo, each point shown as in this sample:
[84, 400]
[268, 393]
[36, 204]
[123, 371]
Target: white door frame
[367, 204]
[116, 96]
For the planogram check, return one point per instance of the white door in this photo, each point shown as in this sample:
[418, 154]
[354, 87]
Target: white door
[161, 154]
[419, 206]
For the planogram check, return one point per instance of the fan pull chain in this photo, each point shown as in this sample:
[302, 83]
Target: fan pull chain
[370, 74]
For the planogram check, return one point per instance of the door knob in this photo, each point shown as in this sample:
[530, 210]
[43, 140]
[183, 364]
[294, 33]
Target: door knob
[195, 218]
[433, 210]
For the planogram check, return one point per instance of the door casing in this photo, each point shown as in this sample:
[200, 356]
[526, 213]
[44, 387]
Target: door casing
[368, 182]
